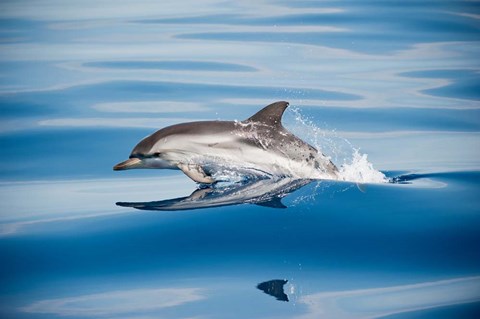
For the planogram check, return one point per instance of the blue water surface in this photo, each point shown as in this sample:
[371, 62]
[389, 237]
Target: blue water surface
[81, 82]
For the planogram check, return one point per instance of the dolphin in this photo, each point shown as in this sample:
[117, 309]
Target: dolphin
[206, 151]
[267, 192]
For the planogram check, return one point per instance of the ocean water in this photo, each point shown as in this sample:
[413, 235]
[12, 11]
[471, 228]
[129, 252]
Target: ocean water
[381, 87]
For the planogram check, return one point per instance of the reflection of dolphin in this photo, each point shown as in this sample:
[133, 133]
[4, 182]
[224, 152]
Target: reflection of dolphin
[259, 144]
[274, 288]
[264, 192]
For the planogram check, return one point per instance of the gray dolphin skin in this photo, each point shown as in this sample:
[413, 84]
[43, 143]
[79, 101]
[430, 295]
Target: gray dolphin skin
[258, 145]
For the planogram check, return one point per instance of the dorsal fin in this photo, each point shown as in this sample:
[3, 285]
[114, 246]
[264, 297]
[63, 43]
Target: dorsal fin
[270, 114]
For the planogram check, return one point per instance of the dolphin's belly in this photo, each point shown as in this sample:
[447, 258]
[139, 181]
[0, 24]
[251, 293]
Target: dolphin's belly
[229, 153]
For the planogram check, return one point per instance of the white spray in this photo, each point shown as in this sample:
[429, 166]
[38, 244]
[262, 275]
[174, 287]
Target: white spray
[353, 165]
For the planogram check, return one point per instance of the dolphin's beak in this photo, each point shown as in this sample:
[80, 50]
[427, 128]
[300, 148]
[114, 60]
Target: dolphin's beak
[128, 164]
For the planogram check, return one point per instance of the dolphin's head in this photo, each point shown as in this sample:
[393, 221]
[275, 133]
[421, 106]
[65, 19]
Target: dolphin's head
[147, 154]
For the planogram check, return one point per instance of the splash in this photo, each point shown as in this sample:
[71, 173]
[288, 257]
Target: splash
[360, 170]
[226, 173]
[354, 166]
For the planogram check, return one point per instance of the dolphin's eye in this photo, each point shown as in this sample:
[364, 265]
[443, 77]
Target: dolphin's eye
[157, 154]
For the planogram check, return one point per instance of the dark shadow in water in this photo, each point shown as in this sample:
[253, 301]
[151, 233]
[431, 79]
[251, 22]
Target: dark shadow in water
[446, 177]
[274, 288]
[402, 177]
[405, 179]
[262, 192]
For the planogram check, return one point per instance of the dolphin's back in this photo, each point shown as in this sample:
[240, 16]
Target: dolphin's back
[188, 129]
[260, 143]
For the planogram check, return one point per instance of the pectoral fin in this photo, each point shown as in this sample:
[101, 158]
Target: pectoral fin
[362, 187]
[196, 173]
[275, 202]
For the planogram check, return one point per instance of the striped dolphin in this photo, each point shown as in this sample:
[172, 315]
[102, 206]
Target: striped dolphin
[259, 145]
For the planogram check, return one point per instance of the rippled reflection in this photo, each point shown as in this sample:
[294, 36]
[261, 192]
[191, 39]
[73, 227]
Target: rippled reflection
[263, 192]
[179, 302]
[385, 301]
[117, 303]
